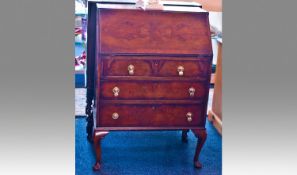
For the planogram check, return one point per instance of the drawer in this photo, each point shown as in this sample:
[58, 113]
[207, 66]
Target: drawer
[141, 115]
[152, 90]
[155, 66]
[157, 32]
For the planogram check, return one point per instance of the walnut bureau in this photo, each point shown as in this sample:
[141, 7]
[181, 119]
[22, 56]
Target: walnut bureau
[147, 70]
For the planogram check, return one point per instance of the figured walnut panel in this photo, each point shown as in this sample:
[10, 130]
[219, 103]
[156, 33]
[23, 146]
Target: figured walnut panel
[155, 66]
[150, 115]
[138, 31]
[152, 90]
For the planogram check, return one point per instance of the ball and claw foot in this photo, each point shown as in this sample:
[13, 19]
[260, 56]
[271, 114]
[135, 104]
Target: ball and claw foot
[197, 165]
[97, 166]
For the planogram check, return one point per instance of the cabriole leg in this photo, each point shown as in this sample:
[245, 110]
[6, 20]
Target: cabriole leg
[201, 135]
[90, 126]
[98, 136]
[89, 118]
[185, 135]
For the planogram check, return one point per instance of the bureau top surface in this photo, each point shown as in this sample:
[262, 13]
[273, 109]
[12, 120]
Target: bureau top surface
[190, 9]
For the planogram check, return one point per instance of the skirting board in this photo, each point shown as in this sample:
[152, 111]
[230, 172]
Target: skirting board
[215, 120]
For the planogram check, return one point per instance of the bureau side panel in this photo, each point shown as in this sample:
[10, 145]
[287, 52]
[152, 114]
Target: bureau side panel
[91, 52]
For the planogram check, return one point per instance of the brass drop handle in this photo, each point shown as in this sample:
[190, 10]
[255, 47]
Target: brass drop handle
[131, 69]
[116, 91]
[189, 116]
[180, 70]
[115, 116]
[192, 91]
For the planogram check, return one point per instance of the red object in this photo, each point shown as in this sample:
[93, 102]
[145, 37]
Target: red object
[78, 31]
[81, 59]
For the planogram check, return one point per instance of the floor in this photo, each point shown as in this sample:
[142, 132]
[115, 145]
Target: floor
[148, 153]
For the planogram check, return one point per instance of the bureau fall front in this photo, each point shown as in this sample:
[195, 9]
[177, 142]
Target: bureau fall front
[147, 70]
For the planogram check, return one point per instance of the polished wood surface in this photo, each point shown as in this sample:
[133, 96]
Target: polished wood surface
[159, 66]
[149, 115]
[147, 70]
[201, 135]
[160, 32]
[153, 90]
[98, 136]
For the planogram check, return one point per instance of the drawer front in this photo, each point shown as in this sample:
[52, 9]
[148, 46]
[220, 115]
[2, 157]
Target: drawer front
[113, 115]
[120, 67]
[184, 68]
[152, 90]
[150, 66]
[157, 32]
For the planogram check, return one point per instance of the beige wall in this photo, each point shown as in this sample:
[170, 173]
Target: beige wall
[209, 5]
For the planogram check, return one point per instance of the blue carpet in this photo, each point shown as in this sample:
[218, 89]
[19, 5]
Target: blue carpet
[148, 153]
[79, 80]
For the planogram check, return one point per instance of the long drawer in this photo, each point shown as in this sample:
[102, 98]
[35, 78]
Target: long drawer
[170, 90]
[150, 115]
[155, 66]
